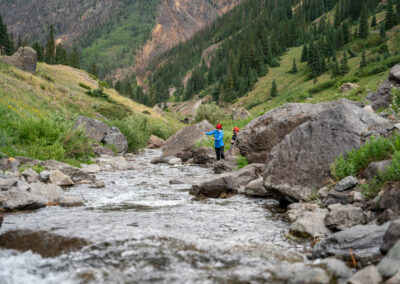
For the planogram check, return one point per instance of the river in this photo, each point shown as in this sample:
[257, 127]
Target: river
[145, 230]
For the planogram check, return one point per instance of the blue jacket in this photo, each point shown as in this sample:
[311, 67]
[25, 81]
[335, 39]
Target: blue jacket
[219, 137]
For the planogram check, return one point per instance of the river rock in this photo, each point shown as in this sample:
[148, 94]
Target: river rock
[76, 174]
[30, 175]
[301, 161]
[71, 201]
[341, 217]
[25, 59]
[182, 143]
[204, 156]
[7, 183]
[369, 108]
[394, 74]
[392, 235]
[395, 279]
[155, 142]
[374, 168]
[391, 197]
[363, 240]
[22, 185]
[346, 183]
[94, 129]
[256, 188]
[337, 197]
[100, 150]
[175, 181]
[174, 161]
[367, 275]
[91, 169]
[9, 164]
[390, 264]
[41, 242]
[308, 222]
[225, 165]
[226, 183]
[59, 178]
[44, 176]
[51, 193]
[15, 199]
[116, 163]
[336, 267]
[114, 137]
[300, 273]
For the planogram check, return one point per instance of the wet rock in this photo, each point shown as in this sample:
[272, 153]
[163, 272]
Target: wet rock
[15, 199]
[372, 170]
[155, 142]
[336, 267]
[44, 176]
[341, 217]
[395, 279]
[392, 235]
[175, 181]
[41, 242]
[51, 193]
[174, 161]
[71, 201]
[30, 175]
[59, 178]
[226, 165]
[182, 143]
[367, 275]
[363, 240]
[228, 182]
[7, 183]
[308, 221]
[256, 188]
[117, 162]
[25, 59]
[390, 264]
[300, 273]
[98, 184]
[76, 174]
[301, 161]
[114, 137]
[204, 156]
[100, 150]
[94, 129]
[346, 183]
[348, 87]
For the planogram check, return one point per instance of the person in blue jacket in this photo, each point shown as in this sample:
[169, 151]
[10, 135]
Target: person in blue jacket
[219, 141]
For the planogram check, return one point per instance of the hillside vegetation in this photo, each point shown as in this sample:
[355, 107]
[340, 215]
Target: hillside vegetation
[38, 112]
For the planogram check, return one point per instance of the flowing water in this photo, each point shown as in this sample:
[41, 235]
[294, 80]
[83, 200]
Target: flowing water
[144, 230]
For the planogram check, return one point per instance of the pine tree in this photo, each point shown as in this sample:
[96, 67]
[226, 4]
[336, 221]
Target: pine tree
[39, 50]
[294, 67]
[304, 53]
[49, 56]
[344, 67]
[4, 39]
[274, 89]
[335, 70]
[363, 60]
[61, 55]
[74, 59]
[389, 20]
[93, 69]
[363, 31]
[221, 96]
[382, 31]
[373, 23]
[398, 8]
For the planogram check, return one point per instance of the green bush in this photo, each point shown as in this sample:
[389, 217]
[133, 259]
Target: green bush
[371, 69]
[97, 93]
[83, 85]
[146, 112]
[242, 162]
[104, 84]
[210, 112]
[322, 86]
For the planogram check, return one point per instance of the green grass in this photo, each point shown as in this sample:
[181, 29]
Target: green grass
[242, 162]
[117, 40]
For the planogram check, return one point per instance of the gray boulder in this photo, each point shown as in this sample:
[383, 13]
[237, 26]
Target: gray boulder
[300, 273]
[363, 240]
[228, 182]
[30, 175]
[395, 279]
[76, 174]
[374, 168]
[7, 183]
[100, 150]
[391, 197]
[175, 161]
[228, 164]
[204, 156]
[15, 199]
[367, 275]
[44, 176]
[341, 217]
[301, 161]
[25, 59]
[71, 201]
[59, 178]
[394, 74]
[114, 137]
[336, 267]
[256, 188]
[114, 163]
[337, 197]
[94, 129]
[311, 224]
[346, 183]
[382, 98]
[51, 193]
[390, 264]
[391, 237]
[183, 143]
[9, 164]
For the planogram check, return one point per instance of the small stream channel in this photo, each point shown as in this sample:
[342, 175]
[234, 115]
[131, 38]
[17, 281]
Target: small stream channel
[145, 230]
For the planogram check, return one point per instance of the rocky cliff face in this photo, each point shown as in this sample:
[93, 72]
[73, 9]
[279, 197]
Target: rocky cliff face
[177, 21]
[71, 19]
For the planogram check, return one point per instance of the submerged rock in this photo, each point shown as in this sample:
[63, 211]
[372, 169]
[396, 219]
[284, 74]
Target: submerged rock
[41, 242]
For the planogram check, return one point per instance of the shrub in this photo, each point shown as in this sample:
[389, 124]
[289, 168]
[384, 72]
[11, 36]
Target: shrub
[322, 86]
[104, 84]
[83, 85]
[242, 162]
[43, 87]
[97, 93]
[371, 70]
[210, 112]
[146, 112]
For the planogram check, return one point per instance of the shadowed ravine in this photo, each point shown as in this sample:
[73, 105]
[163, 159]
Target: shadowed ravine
[143, 229]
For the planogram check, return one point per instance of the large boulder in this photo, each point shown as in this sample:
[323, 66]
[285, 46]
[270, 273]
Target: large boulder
[182, 143]
[25, 59]
[59, 178]
[341, 217]
[256, 188]
[228, 182]
[257, 139]
[204, 156]
[394, 74]
[391, 197]
[301, 161]
[155, 142]
[363, 240]
[16, 199]
[391, 237]
[7, 182]
[367, 275]
[94, 129]
[76, 174]
[390, 265]
[30, 175]
[114, 137]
